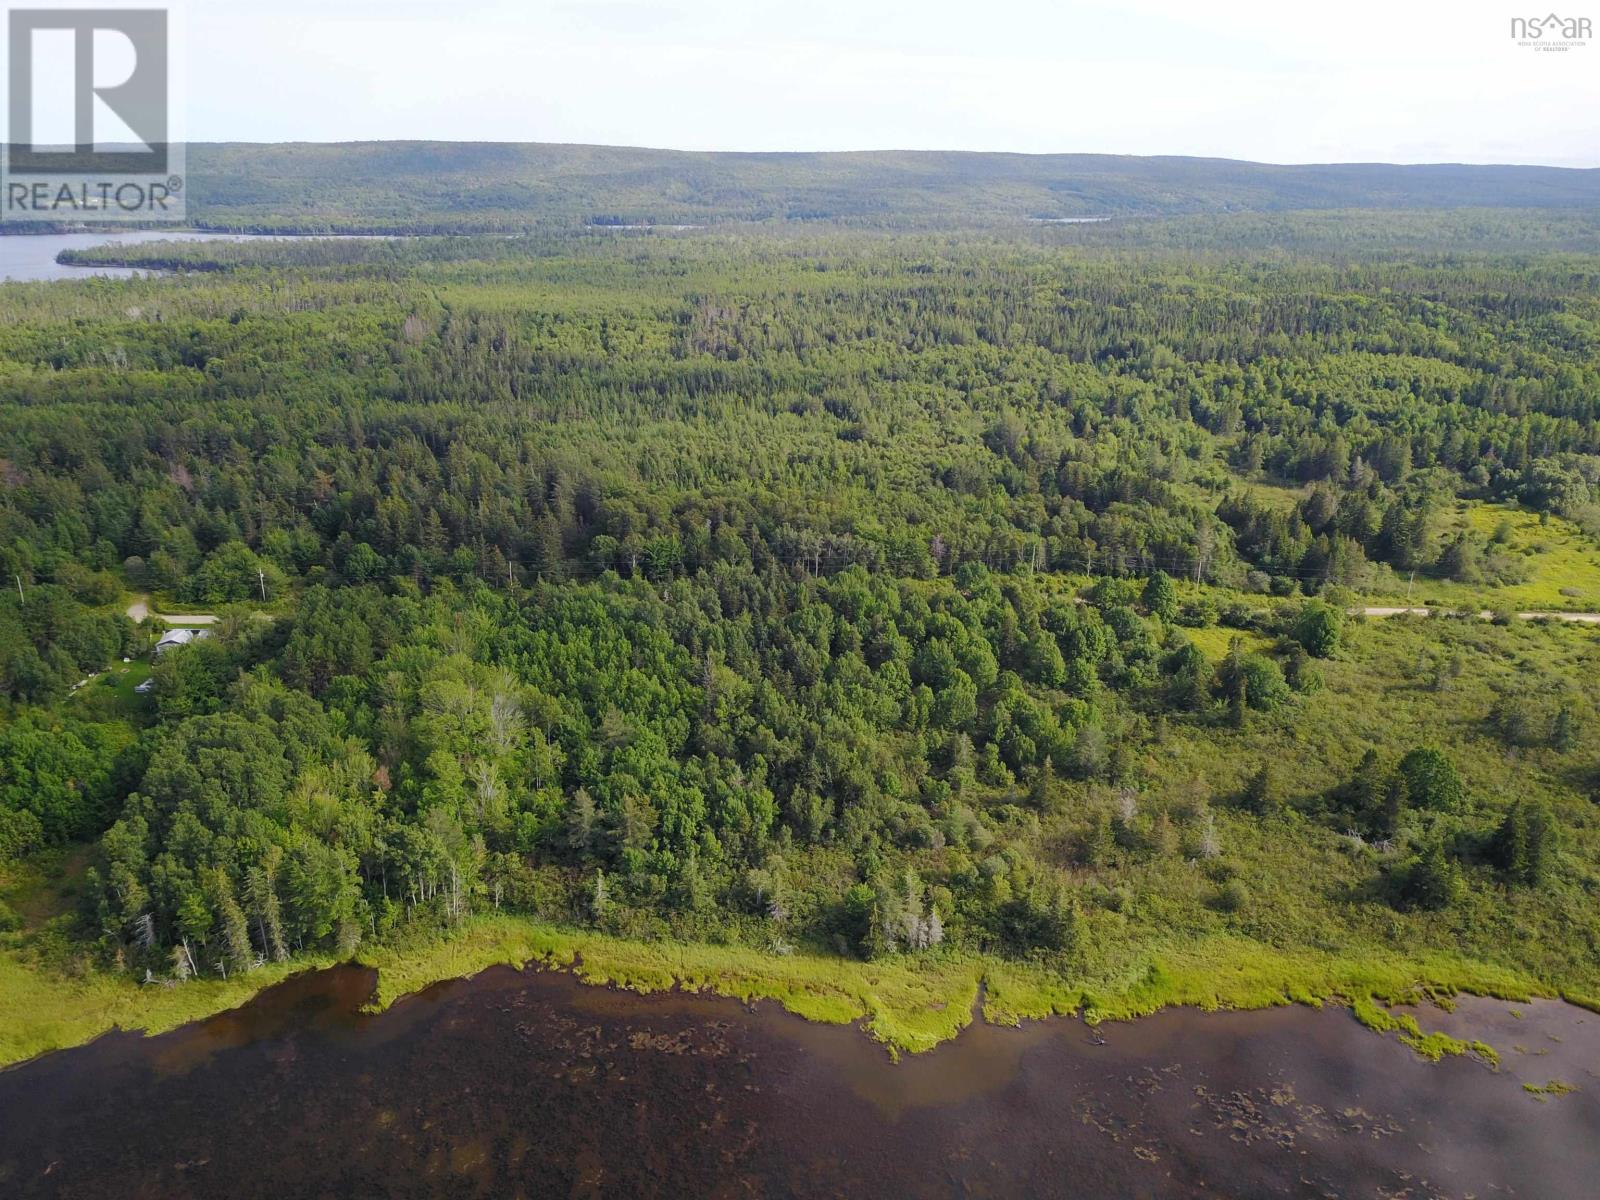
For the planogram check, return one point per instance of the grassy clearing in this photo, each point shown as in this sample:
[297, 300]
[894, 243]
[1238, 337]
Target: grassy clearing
[110, 697]
[1563, 564]
[124, 678]
[1305, 885]
[1281, 497]
[1214, 640]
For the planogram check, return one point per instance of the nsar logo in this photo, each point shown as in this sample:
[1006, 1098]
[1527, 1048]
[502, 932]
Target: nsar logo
[1552, 32]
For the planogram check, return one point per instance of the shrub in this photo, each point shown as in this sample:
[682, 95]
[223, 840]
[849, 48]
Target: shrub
[1161, 597]
[1429, 880]
[1232, 896]
[1255, 677]
[1431, 780]
[20, 833]
[1197, 614]
[1262, 794]
[1524, 844]
[1318, 629]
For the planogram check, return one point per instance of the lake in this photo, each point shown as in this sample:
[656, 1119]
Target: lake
[33, 256]
[532, 1084]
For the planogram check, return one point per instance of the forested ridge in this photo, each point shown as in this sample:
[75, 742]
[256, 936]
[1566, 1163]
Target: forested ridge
[513, 188]
[425, 187]
[876, 595]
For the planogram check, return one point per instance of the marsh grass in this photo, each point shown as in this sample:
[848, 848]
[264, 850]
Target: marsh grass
[908, 1005]
[43, 1010]
[913, 1005]
[1542, 1091]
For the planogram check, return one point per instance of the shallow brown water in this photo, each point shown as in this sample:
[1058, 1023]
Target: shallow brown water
[531, 1084]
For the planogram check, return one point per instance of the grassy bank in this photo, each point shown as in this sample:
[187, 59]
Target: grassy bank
[908, 1005]
[42, 1010]
[913, 1006]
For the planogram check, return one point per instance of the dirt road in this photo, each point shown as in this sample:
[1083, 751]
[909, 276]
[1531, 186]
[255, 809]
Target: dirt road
[1580, 618]
[140, 609]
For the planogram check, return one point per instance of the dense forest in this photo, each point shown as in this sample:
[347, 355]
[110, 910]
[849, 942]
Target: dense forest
[879, 594]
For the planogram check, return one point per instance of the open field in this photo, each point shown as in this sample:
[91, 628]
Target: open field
[1561, 563]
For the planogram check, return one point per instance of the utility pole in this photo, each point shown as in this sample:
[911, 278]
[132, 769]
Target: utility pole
[1409, 582]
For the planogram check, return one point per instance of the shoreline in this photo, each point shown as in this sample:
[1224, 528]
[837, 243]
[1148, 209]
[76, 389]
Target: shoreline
[906, 1006]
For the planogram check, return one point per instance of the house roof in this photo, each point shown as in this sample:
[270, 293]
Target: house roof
[180, 637]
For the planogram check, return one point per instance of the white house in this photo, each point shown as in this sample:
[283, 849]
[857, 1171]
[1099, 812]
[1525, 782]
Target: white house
[180, 637]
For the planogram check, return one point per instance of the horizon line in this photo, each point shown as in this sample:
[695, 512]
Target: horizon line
[883, 150]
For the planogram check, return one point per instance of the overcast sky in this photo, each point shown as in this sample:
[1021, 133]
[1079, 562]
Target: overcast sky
[1356, 80]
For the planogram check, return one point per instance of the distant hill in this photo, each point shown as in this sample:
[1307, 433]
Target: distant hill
[460, 186]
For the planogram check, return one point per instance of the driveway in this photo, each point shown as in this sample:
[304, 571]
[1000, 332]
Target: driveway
[140, 609]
